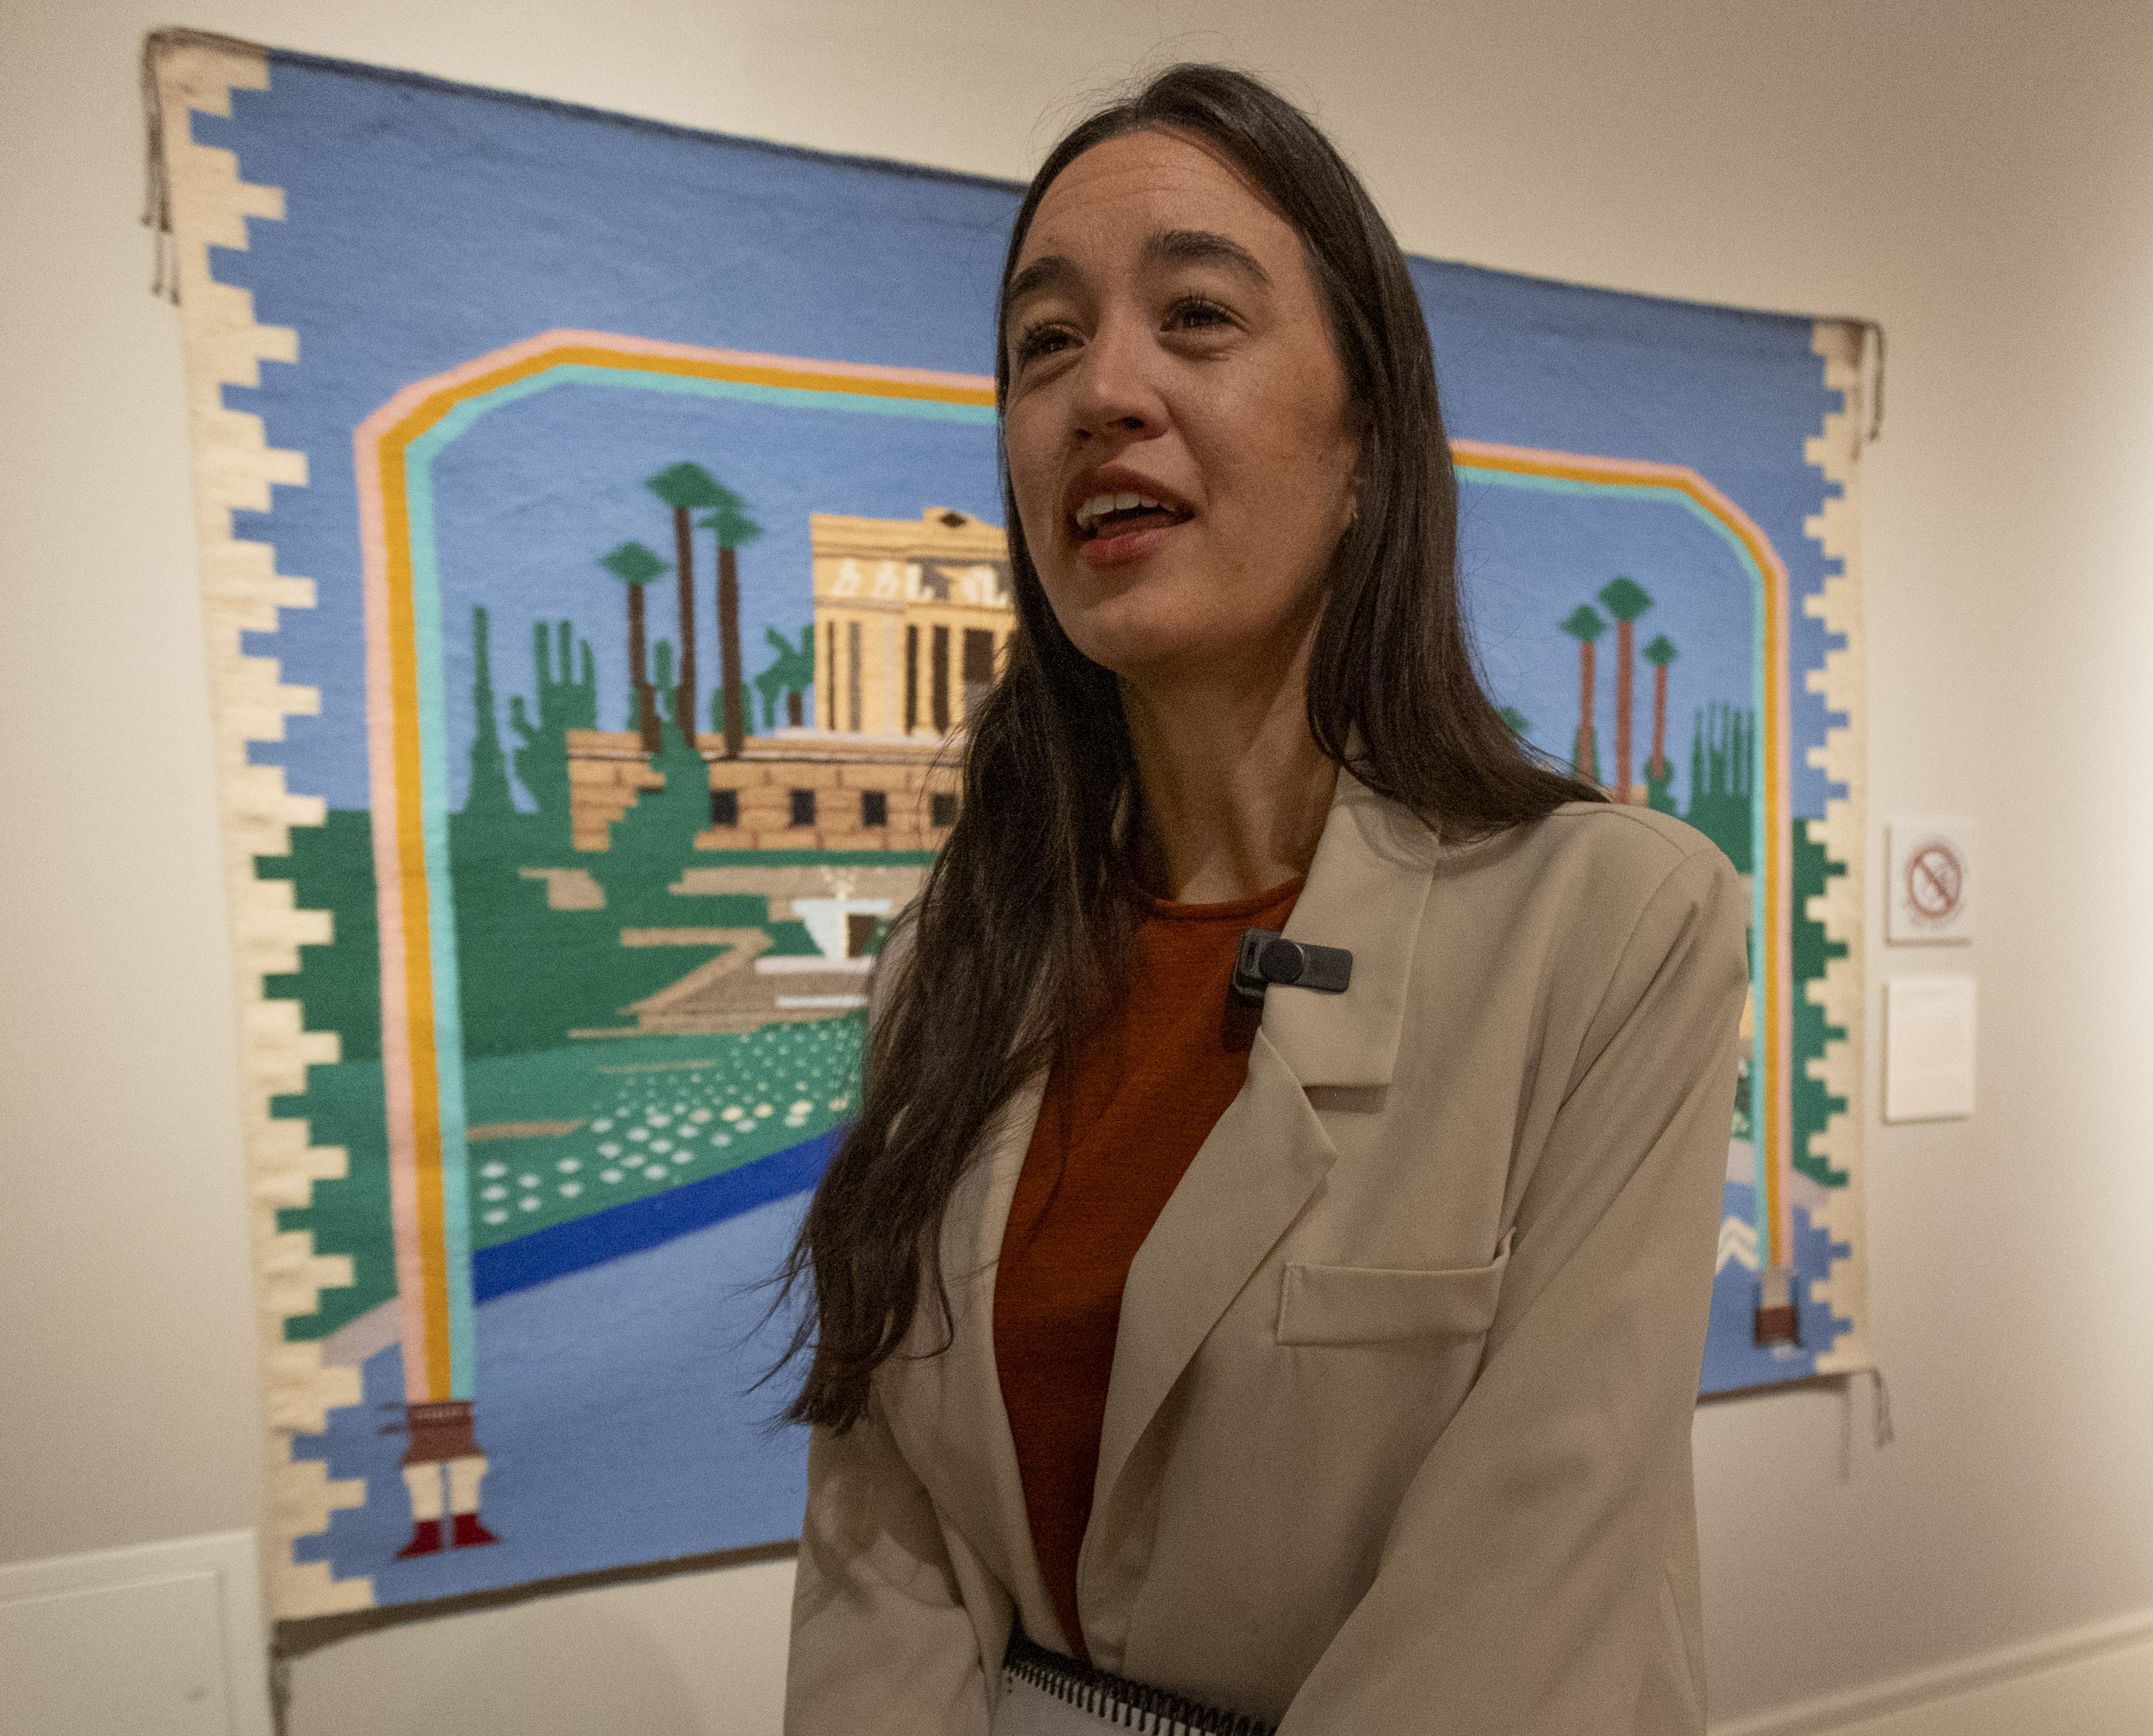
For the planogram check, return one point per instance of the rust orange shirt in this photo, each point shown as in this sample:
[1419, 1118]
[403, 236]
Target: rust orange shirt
[1116, 1128]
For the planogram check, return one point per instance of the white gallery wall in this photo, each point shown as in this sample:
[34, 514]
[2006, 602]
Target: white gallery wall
[1979, 177]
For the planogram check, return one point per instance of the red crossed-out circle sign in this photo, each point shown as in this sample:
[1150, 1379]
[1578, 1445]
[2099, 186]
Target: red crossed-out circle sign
[1935, 880]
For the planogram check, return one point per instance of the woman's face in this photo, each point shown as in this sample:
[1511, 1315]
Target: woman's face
[1176, 417]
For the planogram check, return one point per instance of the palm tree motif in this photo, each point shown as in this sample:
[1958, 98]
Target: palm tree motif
[728, 518]
[1624, 599]
[1516, 722]
[687, 489]
[634, 566]
[1585, 626]
[1659, 654]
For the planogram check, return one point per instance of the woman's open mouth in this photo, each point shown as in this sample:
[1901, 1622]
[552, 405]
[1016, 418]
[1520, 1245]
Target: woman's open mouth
[1113, 528]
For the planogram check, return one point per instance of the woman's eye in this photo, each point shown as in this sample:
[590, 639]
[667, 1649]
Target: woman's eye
[1195, 313]
[1041, 341]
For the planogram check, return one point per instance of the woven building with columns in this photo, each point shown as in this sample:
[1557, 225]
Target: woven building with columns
[911, 619]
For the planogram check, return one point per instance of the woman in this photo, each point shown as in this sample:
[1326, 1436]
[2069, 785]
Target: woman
[1327, 1362]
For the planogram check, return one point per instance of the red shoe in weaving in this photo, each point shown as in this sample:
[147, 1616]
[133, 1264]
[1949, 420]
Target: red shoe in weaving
[470, 1533]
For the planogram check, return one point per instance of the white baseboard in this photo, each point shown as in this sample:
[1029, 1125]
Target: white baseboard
[1942, 1698]
[171, 1631]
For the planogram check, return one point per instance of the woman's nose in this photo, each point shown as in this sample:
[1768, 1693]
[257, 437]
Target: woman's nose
[1119, 393]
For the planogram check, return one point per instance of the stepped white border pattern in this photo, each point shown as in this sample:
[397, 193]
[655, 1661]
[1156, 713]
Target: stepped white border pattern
[1844, 833]
[242, 593]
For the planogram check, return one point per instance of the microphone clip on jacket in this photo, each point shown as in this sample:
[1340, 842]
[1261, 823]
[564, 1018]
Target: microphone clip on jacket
[1267, 957]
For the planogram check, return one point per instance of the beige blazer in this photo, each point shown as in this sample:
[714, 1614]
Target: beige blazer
[1397, 1438]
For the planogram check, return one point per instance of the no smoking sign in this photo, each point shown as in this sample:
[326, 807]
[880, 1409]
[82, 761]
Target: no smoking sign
[1930, 886]
[1935, 880]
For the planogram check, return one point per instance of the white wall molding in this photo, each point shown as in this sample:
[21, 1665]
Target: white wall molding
[1932, 1688]
[70, 1616]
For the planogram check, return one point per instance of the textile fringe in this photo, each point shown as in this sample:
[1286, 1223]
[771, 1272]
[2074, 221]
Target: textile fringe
[1880, 1412]
[1870, 327]
[1115, 1700]
[1870, 377]
[156, 172]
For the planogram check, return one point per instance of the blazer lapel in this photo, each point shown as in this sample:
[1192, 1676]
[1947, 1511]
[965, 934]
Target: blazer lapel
[1366, 890]
[947, 1408]
[1247, 1182]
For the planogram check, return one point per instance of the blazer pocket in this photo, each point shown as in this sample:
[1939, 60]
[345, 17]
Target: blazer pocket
[1386, 1304]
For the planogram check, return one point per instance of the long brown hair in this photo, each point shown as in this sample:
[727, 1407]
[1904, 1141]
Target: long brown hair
[1016, 941]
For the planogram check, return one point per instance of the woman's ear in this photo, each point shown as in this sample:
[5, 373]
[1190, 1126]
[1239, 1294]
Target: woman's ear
[1355, 483]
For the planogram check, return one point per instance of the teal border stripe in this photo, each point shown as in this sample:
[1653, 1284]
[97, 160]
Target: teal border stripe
[1764, 1066]
[433, 785]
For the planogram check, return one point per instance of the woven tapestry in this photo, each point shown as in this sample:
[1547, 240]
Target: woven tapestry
[601, 550]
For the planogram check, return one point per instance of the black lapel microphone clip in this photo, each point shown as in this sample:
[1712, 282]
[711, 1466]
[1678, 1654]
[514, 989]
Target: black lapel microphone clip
[1267, 957]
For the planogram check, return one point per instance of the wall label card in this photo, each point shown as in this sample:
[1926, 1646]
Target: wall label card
[1928, 1048]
